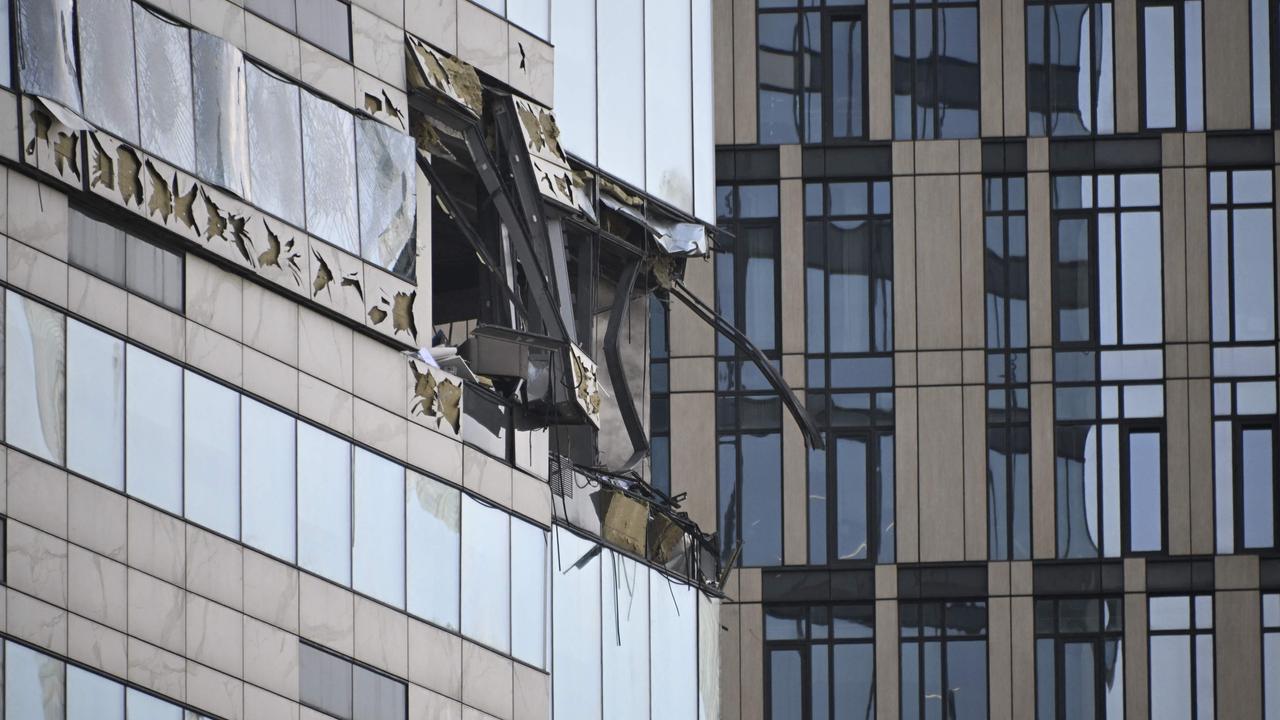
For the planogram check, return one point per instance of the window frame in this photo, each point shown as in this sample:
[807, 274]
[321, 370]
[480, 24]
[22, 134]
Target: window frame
[805, 646]
[1095, 28]
[1193, 631]
[935, 9]
[1239, 424]
[1230, 207]
[942, 636]
[1181, 99]
[1097, 639]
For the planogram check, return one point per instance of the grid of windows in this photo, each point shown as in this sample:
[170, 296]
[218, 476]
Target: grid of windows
[1079, 658]
[1180, 646]
[1241, 256]
[1070, 68]
[936, 86]
[819, 661]
[1172, 62]
[1244, 464]
[124, 260]
[944, 660]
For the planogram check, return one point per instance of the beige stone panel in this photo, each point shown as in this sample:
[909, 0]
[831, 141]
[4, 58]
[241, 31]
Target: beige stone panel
[973, 367]
[97, 646]
[1021, 580]
[215, 635]
[693, 418]
[215, 692]
[269, 378]
[37, 215]
[486, 680]
[906, 482]
[886, 643]
[157, 669]
[935, 157]
[749, 583]
[98, 300]
[939, 367]
[275, 46]
[326, 614]
[1000, 658]
[8, 129]
[271, 658]
[1175, 256]
[36, 563]
[325, 404]
[39, 274]
[1175, 361]
[1126, 65]
[271, 590]
[795, 495]
[378, 47]
[435, 21]
[157, 328]
[886, 579]
[1171, 152]
[1039, 260]
[744, 72]
[689, 335]
[1197, 255]
[157, 612]
[941, 443]
[1015, 68]
[531, 497]
[385, 431]
[215, 354]
[220, 17]
[723, 68]
[693, 374]
[791, 194]
[482, 40]
[214, 297]
[36, 621]
[879, 71]
[1042, 473]
[730, 663]
[1194, 151]
[1227, 66]
[905, 368]
[214, 567]
[1023, 654]
[904, 157]
[971, 156]
[790, 161]
[1235, 572]
[328, 74]
[1135, 575]
[1038, 156]
[752, 649]
[271, 323]
[975, 473]
[382, 637]
[435, 659]
[1198, 360]
[435, 453]
[904, 263]
[1177, 461]
[97, 518]
[97, 588]
[488, 476]
[972, 257]
[1238, 662]
[1200, 444]
[989, 62]
[262, 705]
[531, 694]
[530, 62]
[37, 493]
[157, 543]
[326, 349]
[1135, 656]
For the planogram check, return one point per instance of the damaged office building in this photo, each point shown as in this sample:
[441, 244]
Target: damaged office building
[335, 361]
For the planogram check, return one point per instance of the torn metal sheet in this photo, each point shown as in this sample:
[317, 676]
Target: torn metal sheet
[275, 145]
[165, 107]
[436, 398]
[53, 146]
[586, 384]
[109, 83]
[388, 196]
[446, 76]
[221, 113]
[550, 165]
[390, 304]
[47, 51]
[685, 239]
[329, 168]
[621, 402]
[626, 521]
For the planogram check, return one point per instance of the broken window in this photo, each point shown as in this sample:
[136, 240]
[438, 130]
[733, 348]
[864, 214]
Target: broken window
[486, 584]
[268, 456]
[47, 50]
[95, 405]
[221, 113]
[434, 545]
[388, 196]
[165, 103]
[35, 378]
[108, 81]
[328, 135]
[660, 397]
[275, 145]
[324, 504]
[378, 543]
[211, 450]
[153, 429]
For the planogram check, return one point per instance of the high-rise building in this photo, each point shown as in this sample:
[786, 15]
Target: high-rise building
[1018, 259]
[326, 379]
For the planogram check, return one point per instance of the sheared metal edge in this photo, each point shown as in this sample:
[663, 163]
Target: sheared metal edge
[389, 304]
[586, 384]
[54, 140]
[244, 235]
[435, 399]
[434, 71]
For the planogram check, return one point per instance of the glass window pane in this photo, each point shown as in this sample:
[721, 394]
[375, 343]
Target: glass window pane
[621, 89]
[1144, 492]
[668, 84]
[573, 31]
[1141, 295]
[1261, 63]
[761, 490]
[673, 643]
[328, 139]
[1159, 62]
[95, 405]
[624, 590]
[46, 44]
[35, 377]
[163, 54]
[1072, 284]
[267, 440]
[324, 504]
[1204, 676]
[96, 246]
[93, 697]
[528, 592]
[326, 23]
[956, 74]
[34, 684]
[1194, 54]
[106, 47]
[1046, 678]
[387, 196]
[855, 692]
[1078, 691]
[847, 78]
[153, 272]
[324, 681]
[1254, 277]
[434, 546]
[153, 427]
[532, 15]
[378, 697]
[966, 688]
[212, 453]
[275, 144]
[222, 135]
[1171, 680]
[851, 498]
[786, 684]
[280, 12]
[486, 593]
[576, 627]
[379, 531]
[1257, 478]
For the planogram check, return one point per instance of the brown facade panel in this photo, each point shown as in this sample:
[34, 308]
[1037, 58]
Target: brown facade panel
[1043, 497]
[1226, 65]
[942, 519]
[975, 473]
[990, 46]
[791, 194]
[1177, 461]
[887, 698]
[693, 468]
[744, 72]
[904, 263]
[752, 653]
[795, 497]
[1126, 65]
[1039, 260]
[723, 77]
[972, 257]
[1196, 208]
[937, 261]
[1023, 652]
[1135, 657]
[689, 335]
[1173, 231]
[1200, 446]
[1238, 653]
[730, 662]
[879, 71]
[1015, 68]
[999, 659]
[906, 483]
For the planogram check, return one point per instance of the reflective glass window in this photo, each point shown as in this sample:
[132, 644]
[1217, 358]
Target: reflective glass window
[107, 79]
[153, 272]
[95, 404]
[528, 593]
[944, 660]
[1080, 666]
[212, 453]
[573, 32]
[1181, 651]
[46, 44]
[1241, 252]
[35, 378]
[1070, 68]
[576, 626]
[153, 429]
[486, 567]
[789, 72]
[1172, 65]
[673, 643]
[379, 528]
[96, 246]
[324, 681]
[624, 592]
[324, 504]
[620, 89]
[141, 706]
[935, 69]
[326, 23]
[93, 697]
[668, 74]
[1244, 468]
[1271, 654]
[268, 455]
[847, 92]
[532, 15]
[750, 477]
[387, 196]
[221, 103]
[275, 145]
[823, 660]
[34, 684]
[376, 696]
[433, 546]
[165, 102]
[328, 136]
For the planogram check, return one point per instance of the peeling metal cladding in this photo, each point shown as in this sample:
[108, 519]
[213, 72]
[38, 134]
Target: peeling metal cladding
[388, 196]
[54, 136]
[329, 169]
[221, 113]
[275, 145]
[432, 70]
[550, 165]
[436, 396]
[46, 50]
[109, 83]
[685, 239]
[165, 105]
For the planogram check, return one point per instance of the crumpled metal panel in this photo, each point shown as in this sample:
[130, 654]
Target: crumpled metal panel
[434, 71]
[388, 196]
[586, 384]
[687, 239]
[46, 50]
[329, 166]
[550, 165]
[110, 85]
[221, 114]
[436, 398]
[275, 145]
[54, 135]
[165, 109]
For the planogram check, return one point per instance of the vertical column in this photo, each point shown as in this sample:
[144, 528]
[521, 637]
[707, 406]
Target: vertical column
[744, 72]
[906, 478]
[752, 649]
[723, 68]
[991, 51]
[1126, 47]
[1227, 65]
[880, 71]
[1015, 68]
[887, 700]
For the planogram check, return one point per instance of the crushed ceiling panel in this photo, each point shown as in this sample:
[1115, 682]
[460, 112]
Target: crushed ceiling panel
[445, 76]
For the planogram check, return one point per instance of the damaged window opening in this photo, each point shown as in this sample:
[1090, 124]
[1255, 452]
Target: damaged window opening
[124, 260]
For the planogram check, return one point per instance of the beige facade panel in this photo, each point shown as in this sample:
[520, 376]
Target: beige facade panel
[1014, 52]
[693, 468]
[1023, 644]
[1043, 497]
[937, 261]
[1200, 433]
[906, 468]
[730, 662]
[972, 259]
[688, 334]
[1126, 65]
[999, 659]
[744, 72]
[1135, 657]
[991, 50]
[1196, 206]
[1039, 260]
[795, 496]
[887, 697]
[904, 263]
[879, 72]
[791, 197]
[975, 473]
[1238, 654]
[941, 441]
[1227, 66]
[1173, 231]
[723, 68]
[752, 653]
[1177, 461]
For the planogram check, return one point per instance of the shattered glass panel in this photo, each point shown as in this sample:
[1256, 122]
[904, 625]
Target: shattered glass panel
[95, 405]
[668, 84]
[110, 86]
[46, 50]
[35, 375]
[212, 453]
[388, 196]
[153, 429]
[528, 593]
[486, 592]
[329, 164]
[222, 122]
[621, 88]
[164, 88]
[434, 544]
[275, 145]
